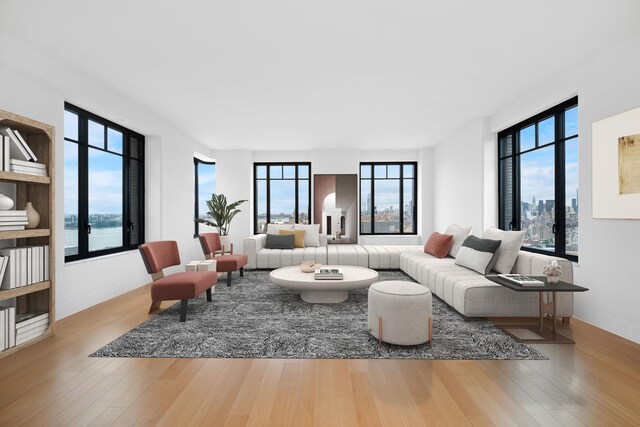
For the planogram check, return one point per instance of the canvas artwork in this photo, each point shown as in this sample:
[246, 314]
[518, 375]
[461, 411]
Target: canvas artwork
[616, 166]
[629, 164]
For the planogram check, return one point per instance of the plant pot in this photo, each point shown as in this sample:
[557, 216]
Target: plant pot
[226, 243]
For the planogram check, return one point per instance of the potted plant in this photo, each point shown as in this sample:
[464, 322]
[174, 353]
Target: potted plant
[221, 214]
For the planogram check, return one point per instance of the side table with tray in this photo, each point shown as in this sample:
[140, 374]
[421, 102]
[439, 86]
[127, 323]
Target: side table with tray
[547, 307]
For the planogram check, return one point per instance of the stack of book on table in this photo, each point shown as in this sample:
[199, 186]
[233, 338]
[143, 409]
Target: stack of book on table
[23, 266]
[13, 220]
[29, 326]
[7, 327]
[521, 280]
[329, 274]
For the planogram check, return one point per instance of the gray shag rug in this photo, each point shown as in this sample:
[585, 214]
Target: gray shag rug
[256, 319]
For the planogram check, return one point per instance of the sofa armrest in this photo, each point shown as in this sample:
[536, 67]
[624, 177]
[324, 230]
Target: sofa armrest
[253, 245]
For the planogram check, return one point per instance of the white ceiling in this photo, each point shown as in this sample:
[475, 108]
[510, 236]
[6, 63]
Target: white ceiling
[295, 74]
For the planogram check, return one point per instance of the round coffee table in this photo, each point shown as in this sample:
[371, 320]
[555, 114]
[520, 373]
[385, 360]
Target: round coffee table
[323, 291]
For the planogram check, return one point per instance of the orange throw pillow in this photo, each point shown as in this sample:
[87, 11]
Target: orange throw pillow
[438, 244]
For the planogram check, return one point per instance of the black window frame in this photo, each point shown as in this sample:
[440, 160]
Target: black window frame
[373, 186]
[268, 179]
[559, 227]
[128, 225]
[196, 163]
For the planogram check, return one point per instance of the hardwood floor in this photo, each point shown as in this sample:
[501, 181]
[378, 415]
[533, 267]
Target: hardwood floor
[594, 382]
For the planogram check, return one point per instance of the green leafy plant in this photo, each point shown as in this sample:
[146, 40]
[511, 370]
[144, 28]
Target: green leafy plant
[221, 213]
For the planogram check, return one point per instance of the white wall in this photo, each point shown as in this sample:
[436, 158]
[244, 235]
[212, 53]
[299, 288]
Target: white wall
[458, 179]
[609, 252]
[33, 85]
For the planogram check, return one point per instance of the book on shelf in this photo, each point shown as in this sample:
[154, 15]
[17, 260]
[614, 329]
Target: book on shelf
[24, 266]
[12, 213]
[31, 334]
[7, 327]
[25, 145]
[31, 165]
[329, 274]
[27, 319]
[11, 227]
[16, 150]
[521, 280]
[28, 171]
[4, 153]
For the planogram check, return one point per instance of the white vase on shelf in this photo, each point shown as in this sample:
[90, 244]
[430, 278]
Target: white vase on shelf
[33, 217]
[5, 203]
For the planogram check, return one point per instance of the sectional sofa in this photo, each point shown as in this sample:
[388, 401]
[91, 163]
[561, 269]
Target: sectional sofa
[470, 293]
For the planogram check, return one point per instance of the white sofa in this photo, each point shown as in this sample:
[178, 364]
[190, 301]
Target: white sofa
[468, 292]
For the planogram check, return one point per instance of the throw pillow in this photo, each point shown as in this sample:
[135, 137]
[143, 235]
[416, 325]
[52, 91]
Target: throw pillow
[298, 241]
[438, 244]
[508, 250]
[275, 228]
[276, 241]
[312, 234]
[459, 233]
[478, 254]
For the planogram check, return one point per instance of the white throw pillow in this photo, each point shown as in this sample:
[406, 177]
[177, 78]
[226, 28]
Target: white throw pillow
[478, 254]
[459, 233]
[311, 235]
[275, 228]
[509, 249]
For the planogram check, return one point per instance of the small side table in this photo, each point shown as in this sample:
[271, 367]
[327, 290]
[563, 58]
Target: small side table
[547, 309]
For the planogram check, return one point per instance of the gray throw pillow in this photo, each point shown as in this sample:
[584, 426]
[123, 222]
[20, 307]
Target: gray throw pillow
[277, 241]
[509, 249]
[478, 254]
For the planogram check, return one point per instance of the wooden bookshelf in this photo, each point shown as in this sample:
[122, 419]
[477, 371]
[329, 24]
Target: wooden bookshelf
[38, 190]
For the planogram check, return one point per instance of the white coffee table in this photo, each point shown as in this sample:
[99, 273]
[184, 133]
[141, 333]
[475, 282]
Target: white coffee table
[323, 291]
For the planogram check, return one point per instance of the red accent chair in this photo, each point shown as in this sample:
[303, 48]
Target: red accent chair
[178, 286]
[225, 261]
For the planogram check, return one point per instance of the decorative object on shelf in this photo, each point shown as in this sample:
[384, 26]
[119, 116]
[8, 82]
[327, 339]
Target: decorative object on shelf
[552, 271]
[221, 214]
[338, 235]
[33, 217]
[5, 203]
[309, 266]
[616, 166]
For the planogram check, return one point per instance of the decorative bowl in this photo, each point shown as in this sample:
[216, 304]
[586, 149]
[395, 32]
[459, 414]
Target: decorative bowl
[309, 266]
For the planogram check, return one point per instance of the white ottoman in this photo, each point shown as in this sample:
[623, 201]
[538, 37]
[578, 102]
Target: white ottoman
[400, 312]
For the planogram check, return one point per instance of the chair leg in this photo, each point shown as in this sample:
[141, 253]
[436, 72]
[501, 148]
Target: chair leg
[241, 271]
[430, 332]
[228, 278]
[183, 310]
[209, 294]
[155, 305]
[379, 331]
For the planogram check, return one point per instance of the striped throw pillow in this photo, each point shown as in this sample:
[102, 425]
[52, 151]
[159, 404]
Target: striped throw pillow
[478, 254]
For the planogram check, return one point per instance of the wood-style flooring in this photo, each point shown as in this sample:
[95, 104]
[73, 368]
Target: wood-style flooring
[594, 382]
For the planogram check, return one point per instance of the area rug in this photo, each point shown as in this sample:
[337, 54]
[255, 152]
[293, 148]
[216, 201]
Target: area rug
[256, 319]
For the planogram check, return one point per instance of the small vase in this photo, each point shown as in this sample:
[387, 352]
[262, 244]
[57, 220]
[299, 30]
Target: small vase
[33, 217]
[5, 203]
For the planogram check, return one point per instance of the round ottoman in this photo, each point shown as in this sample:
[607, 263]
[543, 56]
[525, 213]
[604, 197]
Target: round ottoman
[400, 312]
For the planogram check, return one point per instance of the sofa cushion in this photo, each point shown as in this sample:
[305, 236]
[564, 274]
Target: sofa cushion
[298, 239]
[347, 255]
[438, 244]
[478, 254]
[509, 248]
[183, 285]
[459, 233]
[276, 241]
[311, 235]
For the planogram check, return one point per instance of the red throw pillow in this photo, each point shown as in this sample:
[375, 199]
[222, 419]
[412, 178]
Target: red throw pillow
[438, 244]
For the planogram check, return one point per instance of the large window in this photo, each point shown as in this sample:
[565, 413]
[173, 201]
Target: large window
[538, 180]
[388, 196]
[103, 186]
[282, 194]
[205, 186]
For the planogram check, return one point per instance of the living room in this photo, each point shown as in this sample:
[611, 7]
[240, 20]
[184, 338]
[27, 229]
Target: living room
[436, 87]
